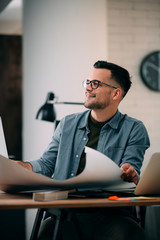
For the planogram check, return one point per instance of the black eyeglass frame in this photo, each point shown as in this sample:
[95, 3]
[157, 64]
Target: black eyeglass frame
[87, 82]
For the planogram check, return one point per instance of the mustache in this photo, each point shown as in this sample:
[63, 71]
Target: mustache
[90, 94]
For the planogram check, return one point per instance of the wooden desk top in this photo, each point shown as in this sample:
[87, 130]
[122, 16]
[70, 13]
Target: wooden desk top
[25, 201]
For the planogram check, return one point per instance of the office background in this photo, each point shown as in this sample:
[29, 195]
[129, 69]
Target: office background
[61, 41]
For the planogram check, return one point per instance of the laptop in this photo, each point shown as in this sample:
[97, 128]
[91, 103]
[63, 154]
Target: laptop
[3, 148]
[149, 183]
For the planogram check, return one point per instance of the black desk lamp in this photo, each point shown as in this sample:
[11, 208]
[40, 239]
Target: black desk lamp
[47, 111]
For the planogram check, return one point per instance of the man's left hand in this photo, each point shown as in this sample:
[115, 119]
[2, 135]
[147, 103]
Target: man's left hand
[129, 173]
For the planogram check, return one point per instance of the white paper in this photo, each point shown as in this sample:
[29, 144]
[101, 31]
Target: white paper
[3, 149]
[99, 172]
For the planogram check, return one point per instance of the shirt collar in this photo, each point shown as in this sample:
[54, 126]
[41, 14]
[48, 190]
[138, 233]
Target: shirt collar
[113, 122]
[84, 122]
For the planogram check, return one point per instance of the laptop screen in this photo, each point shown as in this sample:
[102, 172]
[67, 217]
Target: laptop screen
[3, 148]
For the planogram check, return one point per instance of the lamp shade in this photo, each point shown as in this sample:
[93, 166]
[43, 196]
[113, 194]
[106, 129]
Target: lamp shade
[47, 111]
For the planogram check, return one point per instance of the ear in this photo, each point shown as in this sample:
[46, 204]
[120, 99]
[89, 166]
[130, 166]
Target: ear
[117, 93]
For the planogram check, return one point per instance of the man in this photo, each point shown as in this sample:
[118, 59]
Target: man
[103, 127]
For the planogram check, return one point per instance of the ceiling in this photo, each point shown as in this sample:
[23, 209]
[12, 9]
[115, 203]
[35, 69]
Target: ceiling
[11, 17]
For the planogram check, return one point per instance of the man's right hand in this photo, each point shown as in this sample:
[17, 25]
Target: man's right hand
[129, 173]
[26, 165]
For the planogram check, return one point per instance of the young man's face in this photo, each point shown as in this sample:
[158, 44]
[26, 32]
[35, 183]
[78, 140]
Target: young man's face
[101, 97]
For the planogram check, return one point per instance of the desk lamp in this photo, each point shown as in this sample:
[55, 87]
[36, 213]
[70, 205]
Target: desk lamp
[47, 111]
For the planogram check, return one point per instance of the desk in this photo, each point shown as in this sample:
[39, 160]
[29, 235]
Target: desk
[25, 201]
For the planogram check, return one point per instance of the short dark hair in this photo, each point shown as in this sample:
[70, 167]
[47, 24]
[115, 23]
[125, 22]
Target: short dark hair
[120, 74]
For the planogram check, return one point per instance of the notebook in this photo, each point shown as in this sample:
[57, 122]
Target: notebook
[149, 183]
[3, 148]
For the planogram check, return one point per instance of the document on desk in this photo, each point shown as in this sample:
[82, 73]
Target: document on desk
[100, 172]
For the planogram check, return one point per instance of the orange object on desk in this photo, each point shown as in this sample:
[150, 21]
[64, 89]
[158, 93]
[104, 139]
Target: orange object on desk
[113, 198]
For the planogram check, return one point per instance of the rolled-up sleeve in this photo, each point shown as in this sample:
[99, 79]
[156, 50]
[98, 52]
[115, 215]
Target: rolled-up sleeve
[46, 164]
[137, 144]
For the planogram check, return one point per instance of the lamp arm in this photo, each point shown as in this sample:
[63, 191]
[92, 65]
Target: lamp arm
[74, 103]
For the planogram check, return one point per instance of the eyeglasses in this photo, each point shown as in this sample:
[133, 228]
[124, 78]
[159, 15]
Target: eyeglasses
[95, 84]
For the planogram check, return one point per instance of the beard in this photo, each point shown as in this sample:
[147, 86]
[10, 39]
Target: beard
[95, 105]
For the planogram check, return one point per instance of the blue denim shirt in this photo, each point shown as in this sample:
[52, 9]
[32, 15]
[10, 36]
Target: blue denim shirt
[122, 138]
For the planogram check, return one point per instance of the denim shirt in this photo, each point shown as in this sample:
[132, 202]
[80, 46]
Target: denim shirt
[123, 139]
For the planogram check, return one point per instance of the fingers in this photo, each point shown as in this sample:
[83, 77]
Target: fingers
[129, 173]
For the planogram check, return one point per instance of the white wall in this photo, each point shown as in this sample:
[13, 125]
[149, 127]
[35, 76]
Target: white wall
[61, 41]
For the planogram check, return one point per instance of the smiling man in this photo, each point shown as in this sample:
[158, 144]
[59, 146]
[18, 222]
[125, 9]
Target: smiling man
[104, 128]
[98, 96]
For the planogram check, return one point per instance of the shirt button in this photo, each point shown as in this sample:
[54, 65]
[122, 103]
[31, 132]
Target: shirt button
[77, 156]
[84, 138]
[72, 174]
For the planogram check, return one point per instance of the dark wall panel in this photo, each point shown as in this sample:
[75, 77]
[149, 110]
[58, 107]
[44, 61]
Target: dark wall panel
[11, 92]
[12, 222]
